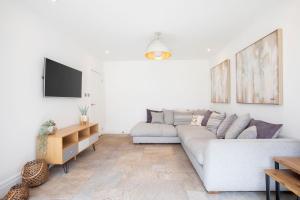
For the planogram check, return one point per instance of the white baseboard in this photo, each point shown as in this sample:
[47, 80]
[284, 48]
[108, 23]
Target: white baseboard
[8, 183]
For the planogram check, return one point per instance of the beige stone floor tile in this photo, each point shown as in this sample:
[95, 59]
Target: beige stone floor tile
[120, 170]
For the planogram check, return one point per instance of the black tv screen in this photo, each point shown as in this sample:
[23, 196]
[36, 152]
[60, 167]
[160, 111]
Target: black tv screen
[61, 81]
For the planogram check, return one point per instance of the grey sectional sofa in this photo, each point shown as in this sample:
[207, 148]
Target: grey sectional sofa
[222, 164]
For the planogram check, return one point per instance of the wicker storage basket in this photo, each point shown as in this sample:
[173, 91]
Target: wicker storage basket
[35, 173]
[18, 192]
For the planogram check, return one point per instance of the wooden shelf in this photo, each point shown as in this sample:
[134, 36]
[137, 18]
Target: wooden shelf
[83, 137]
[293, 163]
[287, 178]
[94, 129]
[68, 142]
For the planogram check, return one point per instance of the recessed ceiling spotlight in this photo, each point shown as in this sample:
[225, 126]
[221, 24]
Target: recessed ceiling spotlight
[208, 50]
[106, 52]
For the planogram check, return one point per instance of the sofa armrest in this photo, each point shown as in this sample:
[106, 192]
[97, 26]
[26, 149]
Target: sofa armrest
[236, 164]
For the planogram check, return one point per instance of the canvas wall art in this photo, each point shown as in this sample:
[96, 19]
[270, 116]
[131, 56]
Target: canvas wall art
[220, 83]
[259, 71]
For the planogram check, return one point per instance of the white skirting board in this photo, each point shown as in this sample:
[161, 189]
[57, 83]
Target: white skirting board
[8, 183]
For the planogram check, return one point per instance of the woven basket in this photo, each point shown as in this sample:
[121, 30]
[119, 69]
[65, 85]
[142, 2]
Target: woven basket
[18, 192]
[35, 173]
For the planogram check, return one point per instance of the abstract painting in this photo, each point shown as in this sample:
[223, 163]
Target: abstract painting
[259, 71]
[220, 83]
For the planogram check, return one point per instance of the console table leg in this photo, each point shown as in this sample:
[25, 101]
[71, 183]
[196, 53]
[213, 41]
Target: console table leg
[66, 167]
[267, 187]
[277, 185]
[276, 165]
[94, 147]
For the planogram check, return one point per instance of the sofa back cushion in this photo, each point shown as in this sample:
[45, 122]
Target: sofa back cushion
[238, 126]
[266, 130]
[224, 126]
[157, 117]
[182, 118]
[206, 117]
[214, 121]
[149, 116]
[249, 133]
[168, 116]
[199, 112]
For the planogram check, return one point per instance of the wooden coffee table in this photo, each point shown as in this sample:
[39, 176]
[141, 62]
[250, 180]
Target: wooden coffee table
[288, 177]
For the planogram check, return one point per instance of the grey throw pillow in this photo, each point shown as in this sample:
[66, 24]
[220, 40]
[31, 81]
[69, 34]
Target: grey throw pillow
[157, 117]
[238, 126]
[224, 126]
[206, 117]
[168, 116]
[249, 133]
[266, 130]
[182, 118]
[214, 121]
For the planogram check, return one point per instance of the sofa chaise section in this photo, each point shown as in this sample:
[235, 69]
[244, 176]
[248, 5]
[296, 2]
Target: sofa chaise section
[154, 133]
[237, 164]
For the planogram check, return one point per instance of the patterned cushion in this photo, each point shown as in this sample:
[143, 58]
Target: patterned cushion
[249, 133]
[214, 121]
[196, 120]
[224, 126]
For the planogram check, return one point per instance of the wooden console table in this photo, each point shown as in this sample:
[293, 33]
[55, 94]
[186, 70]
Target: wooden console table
[68, 142]
[289, 177]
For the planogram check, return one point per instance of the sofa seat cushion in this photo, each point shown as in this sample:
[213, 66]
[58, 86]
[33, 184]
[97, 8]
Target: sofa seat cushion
[143, 129]
[197, 147]
[188, 132]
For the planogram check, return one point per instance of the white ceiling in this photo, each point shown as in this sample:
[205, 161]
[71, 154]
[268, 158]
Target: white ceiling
[125, 27]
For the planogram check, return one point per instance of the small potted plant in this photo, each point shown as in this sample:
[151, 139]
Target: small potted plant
[84, 118]
[47, 128]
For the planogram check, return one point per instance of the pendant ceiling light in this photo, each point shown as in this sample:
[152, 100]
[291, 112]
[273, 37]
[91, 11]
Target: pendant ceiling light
[157, 50]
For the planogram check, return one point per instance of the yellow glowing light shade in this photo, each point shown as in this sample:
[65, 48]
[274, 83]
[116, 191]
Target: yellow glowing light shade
[158, 55]
[157, 50]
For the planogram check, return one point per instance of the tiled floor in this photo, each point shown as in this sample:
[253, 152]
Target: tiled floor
[121, 170]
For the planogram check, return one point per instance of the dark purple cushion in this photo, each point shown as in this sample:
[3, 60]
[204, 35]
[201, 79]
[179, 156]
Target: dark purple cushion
[149, 116]
[265, 130]
[206, 118]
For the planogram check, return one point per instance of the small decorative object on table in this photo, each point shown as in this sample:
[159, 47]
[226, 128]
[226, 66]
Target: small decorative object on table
[47, 128]
[84, 118]
[35, 173]
[18, 192]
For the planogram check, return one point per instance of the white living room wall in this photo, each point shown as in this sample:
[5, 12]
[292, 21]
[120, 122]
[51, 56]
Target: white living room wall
[133, 86]
[287, 18]
[25, 40]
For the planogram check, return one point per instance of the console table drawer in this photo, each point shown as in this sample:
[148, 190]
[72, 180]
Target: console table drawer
[70, 152]
[83, 144]
[94, 138]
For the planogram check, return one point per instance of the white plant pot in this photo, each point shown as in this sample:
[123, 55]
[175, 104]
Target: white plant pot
[83, 118]
[51, 129]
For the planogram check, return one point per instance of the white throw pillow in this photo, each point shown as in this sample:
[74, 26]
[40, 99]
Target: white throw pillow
[249, 133]
[196, 120]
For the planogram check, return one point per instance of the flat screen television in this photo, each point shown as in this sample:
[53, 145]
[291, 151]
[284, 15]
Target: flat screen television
[61, 80]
